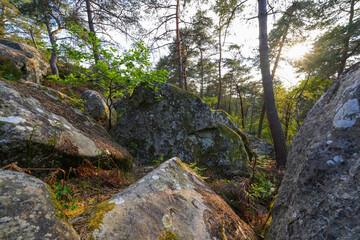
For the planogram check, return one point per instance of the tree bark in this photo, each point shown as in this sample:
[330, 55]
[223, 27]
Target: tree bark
[276, 63]
[242, 108]
[181, 83]
[261, 120]
[271, 112]
[92, 30]
[220, 56]
[53, 58]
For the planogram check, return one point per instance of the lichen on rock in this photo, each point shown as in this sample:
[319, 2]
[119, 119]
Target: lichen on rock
[28, 210]
[171, 197]
[178, 124]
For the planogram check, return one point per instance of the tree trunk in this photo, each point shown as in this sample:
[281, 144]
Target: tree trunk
[33, 39]
[202, 75]
[346, 42]
[181, 83]
[53, 58]
[184, 68]
[271, 112]
[261, 121]
[92, 30]
[242, 107]
[276, 63]
[220, 80]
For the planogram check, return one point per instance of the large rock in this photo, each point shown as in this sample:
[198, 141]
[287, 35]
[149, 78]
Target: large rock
[171, 199]
[178, 124]
[319, 197]
[29, 210]
[26, 58]
[41, 127]
[95, 105]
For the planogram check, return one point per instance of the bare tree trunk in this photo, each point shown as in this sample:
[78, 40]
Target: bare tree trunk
[53, 58]
[92, 29]
[345, 48]
[33, 39]
[202, 75]
[261, 120]
[242, 107]
[220, 80]
[272, 115]
[276, 63]
[181, 83]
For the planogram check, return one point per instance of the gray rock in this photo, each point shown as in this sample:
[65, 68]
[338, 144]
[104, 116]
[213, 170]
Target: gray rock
[96, 106]
[40, 127]
[29, 210]
[179, 124]
[170, 198]
[26, 58]
[319, 197]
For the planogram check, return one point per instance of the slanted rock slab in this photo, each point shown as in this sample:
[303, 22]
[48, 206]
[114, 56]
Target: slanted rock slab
[319, 197]
[29, 210]
[171, 199]
[40, 127]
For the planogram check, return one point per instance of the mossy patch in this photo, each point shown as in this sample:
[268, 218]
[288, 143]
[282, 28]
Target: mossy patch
[95, 220]
[58, 208]
[167, 235]
[8, 69]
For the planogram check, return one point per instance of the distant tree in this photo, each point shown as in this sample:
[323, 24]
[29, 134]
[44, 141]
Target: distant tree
[226, 11]
[340, 43]
[54, 14]
[271, 111]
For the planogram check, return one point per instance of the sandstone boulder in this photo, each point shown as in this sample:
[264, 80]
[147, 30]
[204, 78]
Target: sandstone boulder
[26, 58]
[95, 105]
[171, 200]
[40, 127]
[252, 143]
[173, 122]
[29, 210]
[319, 197]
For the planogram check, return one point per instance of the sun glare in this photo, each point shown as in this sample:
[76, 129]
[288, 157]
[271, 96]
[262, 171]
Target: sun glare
[297, 52]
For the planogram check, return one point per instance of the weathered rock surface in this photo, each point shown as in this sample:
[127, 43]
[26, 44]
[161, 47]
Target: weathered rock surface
[179, 124]
[96, 106]
[170, 198]
[26, 58]
[252, 143]
[319, 197]
[41, 127]
[28, 210]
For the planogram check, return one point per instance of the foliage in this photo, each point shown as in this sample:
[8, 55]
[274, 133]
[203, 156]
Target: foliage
[64, 197]
[197, 169]
[116, 75]
[262, 188]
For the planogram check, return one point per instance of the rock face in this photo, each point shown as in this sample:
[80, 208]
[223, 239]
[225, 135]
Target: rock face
[171, 199]
[319, 197]
[27, 210]
[26, 58]
[179, 124]
[40, 127]
[252, 143]
[96, 106]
